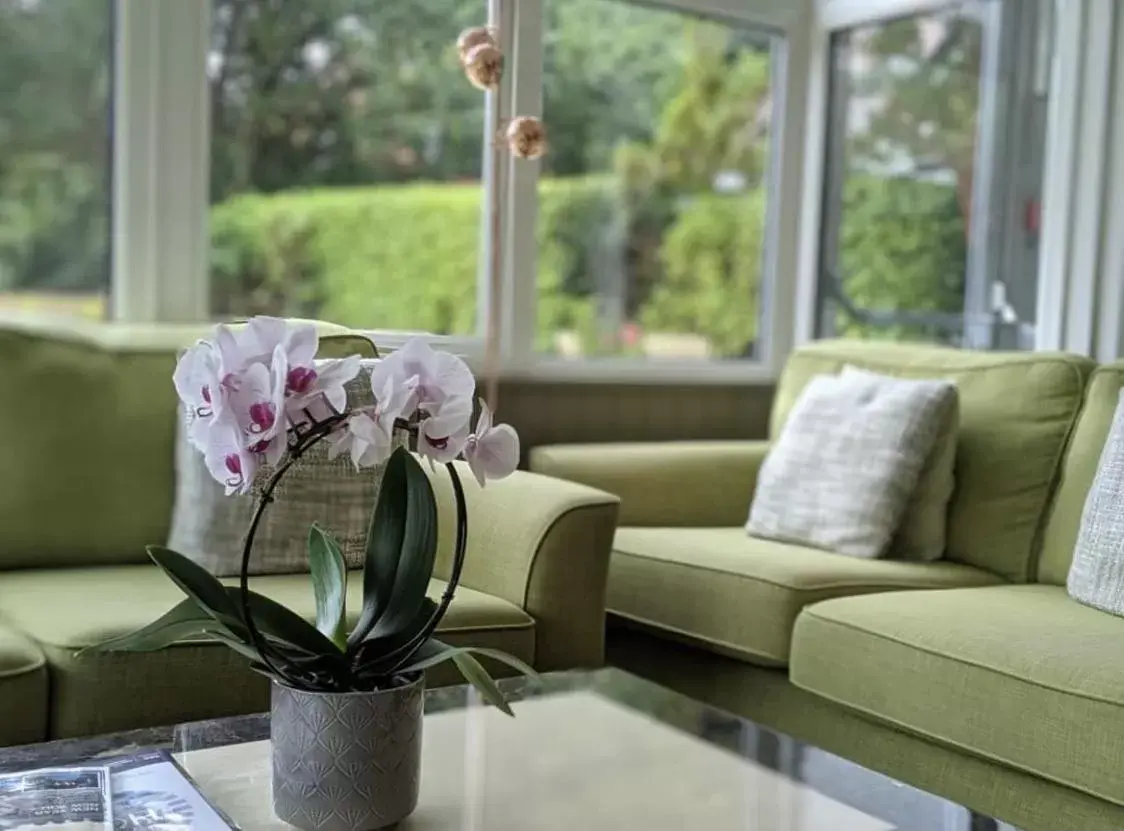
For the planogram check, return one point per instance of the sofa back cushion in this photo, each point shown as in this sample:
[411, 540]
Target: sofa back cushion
[1078, 470]
[1017, 411]
[87, 430]
[88, 427]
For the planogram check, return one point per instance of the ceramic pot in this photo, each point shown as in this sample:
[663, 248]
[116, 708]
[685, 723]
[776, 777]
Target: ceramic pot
[346, 761]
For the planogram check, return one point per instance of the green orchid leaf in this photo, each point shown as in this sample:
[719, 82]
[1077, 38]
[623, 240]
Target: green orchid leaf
[198, 584]
[474, 672]
[436, 652]
[329, 582]
[385, 537]
[183, 621]
[380, 656]
[284, 627]
[417, 555]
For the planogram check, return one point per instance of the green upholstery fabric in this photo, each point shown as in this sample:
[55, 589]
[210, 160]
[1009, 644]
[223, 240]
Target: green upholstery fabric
[725, 591]
[664, 484]
[543, 545]
[1022, 675]
[1017, 411]
[23, 690]
[1078, 470]
[767, 697]
[66, 609]
[95, 488]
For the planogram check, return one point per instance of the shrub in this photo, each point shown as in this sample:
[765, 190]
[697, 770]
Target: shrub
[407, 257]
[389, 257]
[712, 257]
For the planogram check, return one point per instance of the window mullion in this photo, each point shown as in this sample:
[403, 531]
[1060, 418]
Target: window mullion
[521, 252]
[161, 130]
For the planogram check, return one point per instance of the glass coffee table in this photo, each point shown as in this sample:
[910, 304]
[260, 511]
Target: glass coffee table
[587, 750]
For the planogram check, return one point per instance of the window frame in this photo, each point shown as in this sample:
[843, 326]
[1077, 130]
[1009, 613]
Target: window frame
[161, 162]
[999, 178]
[161, 126]
[1077, 309]
[161, 154]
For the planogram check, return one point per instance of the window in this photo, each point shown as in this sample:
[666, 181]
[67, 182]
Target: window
[653, 200]
[933, 180]
[346, 158]
[55, 155]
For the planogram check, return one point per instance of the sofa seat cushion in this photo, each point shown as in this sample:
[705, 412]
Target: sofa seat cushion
[63, 610]
[1021, 675]
[23, 690]
[738, 595]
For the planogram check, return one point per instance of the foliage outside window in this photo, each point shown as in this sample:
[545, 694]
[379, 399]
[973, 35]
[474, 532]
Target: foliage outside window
[906, 101]
[55, 155]
[653, 198]
[346, 159]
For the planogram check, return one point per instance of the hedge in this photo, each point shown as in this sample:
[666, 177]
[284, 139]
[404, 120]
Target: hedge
[406, 257]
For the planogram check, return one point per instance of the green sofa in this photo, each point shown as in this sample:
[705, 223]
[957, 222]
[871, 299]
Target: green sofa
[88, 425]
[975, 677]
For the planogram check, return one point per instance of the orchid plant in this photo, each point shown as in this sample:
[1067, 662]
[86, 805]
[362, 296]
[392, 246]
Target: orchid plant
[257, 400]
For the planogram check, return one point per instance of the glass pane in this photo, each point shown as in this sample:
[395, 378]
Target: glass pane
[56, 58]
[652, 204]
[910, 110]
[346, 159]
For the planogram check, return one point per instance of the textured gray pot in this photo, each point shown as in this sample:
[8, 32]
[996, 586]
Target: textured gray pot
[346, 761]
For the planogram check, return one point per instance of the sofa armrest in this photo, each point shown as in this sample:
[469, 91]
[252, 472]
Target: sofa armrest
[664, 484]
[542, 544]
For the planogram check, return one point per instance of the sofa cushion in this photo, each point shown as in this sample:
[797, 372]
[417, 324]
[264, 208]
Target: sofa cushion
[842, 472]
[1016, 414]
[1022, 675]
[66, 609]
[1078, 470]
[739, 596]
[23, 690]
[95, 490]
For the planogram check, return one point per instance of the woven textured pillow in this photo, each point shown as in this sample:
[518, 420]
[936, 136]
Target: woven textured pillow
[1096, 575]
[210, 527]
[921, 535]
[841, 473]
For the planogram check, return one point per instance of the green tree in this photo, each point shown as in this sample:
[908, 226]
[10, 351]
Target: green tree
[913, 97]
[54, 144]
[711, 261]
[345, 92]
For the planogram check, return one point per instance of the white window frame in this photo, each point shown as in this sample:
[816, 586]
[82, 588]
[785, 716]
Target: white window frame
[782, 230]
[161, 126]
[1082, 267]
[1080, 273]
[161, 161]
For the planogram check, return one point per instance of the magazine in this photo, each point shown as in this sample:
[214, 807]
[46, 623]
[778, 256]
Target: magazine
[56, 799]
[151, 791]
[146, 790]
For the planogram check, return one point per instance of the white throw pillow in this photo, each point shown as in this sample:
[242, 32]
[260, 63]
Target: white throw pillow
[1096, 575]
[923, 530]
[841, 473]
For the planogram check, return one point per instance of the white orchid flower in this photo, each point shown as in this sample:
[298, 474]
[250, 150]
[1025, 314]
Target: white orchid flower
[394, 400]
[437, 379]
[229, 461]
[258, 339]
[198, 383]
[365, 440]
[305, 386]
[442, 437]
[257, 402]
[492, 451]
